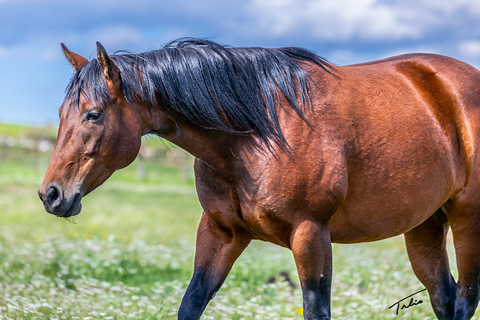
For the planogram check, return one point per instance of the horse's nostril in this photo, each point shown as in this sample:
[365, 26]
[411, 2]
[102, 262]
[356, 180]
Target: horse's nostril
[53, 196]
[55, 202]
[53, 193]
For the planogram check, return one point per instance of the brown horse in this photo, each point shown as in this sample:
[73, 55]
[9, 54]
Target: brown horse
[291, 150]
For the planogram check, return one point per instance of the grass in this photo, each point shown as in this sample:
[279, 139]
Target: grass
[129, 255]
[22, 131]
[13, 130]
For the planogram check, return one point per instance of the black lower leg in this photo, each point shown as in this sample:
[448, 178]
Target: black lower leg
[426, 247]
[316, 304]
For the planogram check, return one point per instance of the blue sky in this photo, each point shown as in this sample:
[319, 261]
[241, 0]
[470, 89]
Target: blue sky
[34, 73]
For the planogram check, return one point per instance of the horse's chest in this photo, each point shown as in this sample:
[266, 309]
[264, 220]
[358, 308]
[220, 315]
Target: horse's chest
[269, 225]
[262, 220]
[271, 214]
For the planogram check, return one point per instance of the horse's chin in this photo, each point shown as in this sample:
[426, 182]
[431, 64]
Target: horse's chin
[75, 208]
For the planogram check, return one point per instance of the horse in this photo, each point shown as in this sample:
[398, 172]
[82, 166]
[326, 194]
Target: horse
[290, 149]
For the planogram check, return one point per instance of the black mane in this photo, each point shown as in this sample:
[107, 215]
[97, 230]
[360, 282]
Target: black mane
[213, 86]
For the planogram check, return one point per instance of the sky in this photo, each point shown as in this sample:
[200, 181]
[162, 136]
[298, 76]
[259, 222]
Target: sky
[34, 72]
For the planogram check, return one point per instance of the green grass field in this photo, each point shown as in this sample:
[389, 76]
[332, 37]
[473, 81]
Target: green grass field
[129, 255]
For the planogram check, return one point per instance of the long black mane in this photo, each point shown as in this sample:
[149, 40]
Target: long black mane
[211, 85]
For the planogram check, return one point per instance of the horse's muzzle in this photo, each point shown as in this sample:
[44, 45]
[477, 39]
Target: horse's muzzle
[56, 203]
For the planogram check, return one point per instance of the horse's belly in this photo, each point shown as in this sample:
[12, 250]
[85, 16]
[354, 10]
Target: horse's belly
[387, 203]
[360, 227]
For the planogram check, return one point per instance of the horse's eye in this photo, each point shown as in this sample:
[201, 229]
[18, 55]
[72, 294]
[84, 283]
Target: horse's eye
[93, 115]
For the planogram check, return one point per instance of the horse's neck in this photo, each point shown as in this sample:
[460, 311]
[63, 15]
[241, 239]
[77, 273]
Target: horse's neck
[215, 148]
[220, 150]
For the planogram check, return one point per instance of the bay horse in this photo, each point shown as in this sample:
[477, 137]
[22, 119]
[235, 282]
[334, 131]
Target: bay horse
[292, 150]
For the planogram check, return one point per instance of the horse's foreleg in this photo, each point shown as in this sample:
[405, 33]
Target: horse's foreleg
[426, 247]
[312, 251]
[215, 254]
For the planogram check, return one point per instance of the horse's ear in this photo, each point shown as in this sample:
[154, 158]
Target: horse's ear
[76, 60]
[110, 71]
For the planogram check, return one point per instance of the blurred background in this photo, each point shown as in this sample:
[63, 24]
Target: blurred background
[130, 252]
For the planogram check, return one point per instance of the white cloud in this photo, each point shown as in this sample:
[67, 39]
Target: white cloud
[45, 48]
[345, 57]
[371, 20]
[10, 51]
[470, 48]
[117, 36]
[472, 6]
[334, 20]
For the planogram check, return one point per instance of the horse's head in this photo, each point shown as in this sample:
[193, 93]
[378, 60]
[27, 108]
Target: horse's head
[95, 137]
